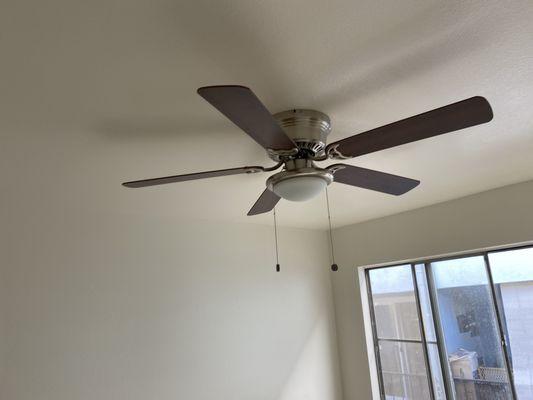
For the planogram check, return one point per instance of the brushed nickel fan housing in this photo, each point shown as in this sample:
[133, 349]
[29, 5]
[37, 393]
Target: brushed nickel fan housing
[308, 129]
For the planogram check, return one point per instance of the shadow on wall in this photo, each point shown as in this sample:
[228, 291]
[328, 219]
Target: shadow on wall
[425, 41]
[219, 38]
[131, 307]
[312, 376]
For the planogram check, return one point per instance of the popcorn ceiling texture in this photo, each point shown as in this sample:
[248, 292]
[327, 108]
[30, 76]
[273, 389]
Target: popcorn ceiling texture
[96, 93]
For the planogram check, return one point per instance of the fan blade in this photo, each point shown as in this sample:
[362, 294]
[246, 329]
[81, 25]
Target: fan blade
[266, 202]
[241, 106]
[190, 177]
[373, 180]
[460, 115]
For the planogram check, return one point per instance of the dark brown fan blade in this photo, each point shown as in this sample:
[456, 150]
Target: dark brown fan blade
[266, 202]
[190, 177]
[373, 180]
[241, 106]
[460, 115]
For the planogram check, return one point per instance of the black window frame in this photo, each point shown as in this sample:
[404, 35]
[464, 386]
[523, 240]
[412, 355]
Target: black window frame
[440, 342]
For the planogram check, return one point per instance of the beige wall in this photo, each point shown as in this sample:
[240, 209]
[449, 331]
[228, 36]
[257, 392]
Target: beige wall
[113, 306]
[3, 308]
[493, 218]
[4, 258]
[128, 307]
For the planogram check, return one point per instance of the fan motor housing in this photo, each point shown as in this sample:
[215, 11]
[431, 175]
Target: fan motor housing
[307, 128]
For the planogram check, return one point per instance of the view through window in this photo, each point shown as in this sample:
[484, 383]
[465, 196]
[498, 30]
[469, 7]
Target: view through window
[457, 328]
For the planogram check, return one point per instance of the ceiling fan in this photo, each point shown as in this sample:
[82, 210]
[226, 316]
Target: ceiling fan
[297, 138]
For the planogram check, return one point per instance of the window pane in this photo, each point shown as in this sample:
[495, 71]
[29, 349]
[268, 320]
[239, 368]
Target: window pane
[404, 371]
[512, 266]
[429, 328]
[512, 273]
[470, 329]
[394, 303]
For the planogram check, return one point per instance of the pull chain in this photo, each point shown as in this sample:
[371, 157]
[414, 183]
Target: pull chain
[334, 266]
[276, 239]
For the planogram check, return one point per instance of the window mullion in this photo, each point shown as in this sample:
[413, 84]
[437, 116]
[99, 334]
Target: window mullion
[503, 342]
[449, 387]
[422, 333]
[375, 336]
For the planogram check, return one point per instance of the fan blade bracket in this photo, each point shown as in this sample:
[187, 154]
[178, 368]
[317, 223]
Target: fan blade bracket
[335, 167]
[279, 155]
[253, 170]
[334, 152]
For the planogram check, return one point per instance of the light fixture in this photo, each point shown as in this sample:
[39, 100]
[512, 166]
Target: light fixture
[300, 188]
[301, 184]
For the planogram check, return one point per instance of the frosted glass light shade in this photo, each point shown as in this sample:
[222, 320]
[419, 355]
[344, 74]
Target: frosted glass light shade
[300, 188]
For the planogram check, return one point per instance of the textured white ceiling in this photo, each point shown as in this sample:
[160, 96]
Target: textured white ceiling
[94, 93]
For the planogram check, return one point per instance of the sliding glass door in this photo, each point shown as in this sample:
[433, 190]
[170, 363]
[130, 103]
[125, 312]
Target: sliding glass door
[458, 328]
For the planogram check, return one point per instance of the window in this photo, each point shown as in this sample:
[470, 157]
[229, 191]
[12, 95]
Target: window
[512, 273]
[402, 358]
[457, 328]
